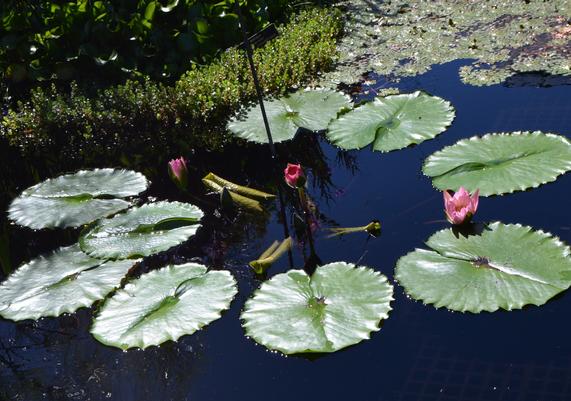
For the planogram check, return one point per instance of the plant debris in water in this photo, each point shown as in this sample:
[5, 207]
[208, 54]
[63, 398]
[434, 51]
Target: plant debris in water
[503, 38]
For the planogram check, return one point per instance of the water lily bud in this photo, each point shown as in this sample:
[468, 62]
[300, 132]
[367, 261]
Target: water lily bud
[374, 228]
[179, 172]
[294, 176]
[460, 207]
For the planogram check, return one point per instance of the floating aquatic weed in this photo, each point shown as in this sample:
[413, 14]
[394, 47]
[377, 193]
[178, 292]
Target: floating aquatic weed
[498, 39]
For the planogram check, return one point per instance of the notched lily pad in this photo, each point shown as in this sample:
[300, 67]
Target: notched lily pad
[142, 231]
[311, 109]
[63, 281]
[164, 305]
[500, 163]
[391, 123]
[338, 306]
[507, 266]
[76, 199]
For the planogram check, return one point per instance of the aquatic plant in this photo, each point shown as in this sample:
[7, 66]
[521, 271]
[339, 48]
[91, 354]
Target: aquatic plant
[373, 229]
[497, 39]
[73, 200]
[163, 305]
[60, 282]
[294, 176]
[142, 231]
[231, 193]
[460, 207]
[392, 122]
[311, 109]
[503, 266]
[178, 172]
[271, 255]
[339, 305]
[500, 163]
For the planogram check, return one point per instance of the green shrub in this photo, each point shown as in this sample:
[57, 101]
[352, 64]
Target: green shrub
[148, 116]
[114, 39]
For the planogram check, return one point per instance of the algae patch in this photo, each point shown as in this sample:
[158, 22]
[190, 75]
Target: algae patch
[503, 38]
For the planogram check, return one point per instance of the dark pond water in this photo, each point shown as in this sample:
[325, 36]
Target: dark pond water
[419, 354]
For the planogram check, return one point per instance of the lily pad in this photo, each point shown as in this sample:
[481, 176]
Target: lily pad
[63, 281]
[164, 305]
[506, 266]
[142, 231]
[309, 109]
[500, 163]
[338, 306]
[76, 199]
[392, 122]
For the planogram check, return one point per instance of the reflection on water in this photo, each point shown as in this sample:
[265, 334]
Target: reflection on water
[420, 353]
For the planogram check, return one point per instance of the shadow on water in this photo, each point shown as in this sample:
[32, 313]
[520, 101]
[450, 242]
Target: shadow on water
[420, 353]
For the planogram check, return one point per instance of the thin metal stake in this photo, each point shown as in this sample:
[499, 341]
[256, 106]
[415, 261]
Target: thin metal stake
[260, 94]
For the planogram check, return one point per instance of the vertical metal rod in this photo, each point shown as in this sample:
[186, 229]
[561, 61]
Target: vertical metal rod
[259, 92]
[260, 95]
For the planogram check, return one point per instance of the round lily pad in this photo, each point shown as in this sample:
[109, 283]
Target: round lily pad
[310, 109]
[164, 305]
[392, 122]
[142, 231]
[506, 266]
[63, 281]
[500, 163]
[338, 306]
[76, 199]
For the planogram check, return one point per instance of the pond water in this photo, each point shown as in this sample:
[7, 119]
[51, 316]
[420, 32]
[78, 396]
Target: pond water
[420, 353]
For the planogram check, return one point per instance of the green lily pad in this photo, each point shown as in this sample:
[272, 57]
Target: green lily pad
[164, 305]
[338, 306]
[500, 163]
[309, 109]
[73, 200]
[392, 122]
[63, 281]
[142, 231]
[506, 266]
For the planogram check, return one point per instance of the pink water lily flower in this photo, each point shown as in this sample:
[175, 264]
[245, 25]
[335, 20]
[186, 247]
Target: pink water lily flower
[294, 176]
[179, 172]
[460, 207]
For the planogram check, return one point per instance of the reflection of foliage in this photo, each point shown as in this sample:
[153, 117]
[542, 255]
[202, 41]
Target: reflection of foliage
[505, 37]
[148, 116]
[66, 40]
[48, 360]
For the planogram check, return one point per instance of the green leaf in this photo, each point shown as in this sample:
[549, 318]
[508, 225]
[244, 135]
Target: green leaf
[142, 231]
[164, 305]
[72, 200]
[309, 109]
[63, 281]
[393, 122]
[338, 306]
[500, 163]
[506, 266]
